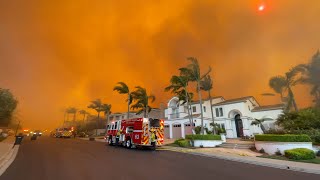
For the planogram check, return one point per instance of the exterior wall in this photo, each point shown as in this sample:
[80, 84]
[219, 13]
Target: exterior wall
[207, 143]
[245, 109]
[273, 147]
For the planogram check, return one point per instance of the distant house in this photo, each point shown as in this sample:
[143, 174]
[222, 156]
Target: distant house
[235, 115]
[154, 113]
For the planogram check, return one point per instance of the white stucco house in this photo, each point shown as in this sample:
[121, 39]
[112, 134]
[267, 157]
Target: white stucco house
[235, 115]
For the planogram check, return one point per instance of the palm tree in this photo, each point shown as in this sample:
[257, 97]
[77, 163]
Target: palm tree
[192, 71]
[72, 110]
[281, 84]
[178, 87]
[310, 75]
[206, 85]
[84, 113]
[122, 88]
[97, 106]
[258, 122]
[141, 101]
[106, 109]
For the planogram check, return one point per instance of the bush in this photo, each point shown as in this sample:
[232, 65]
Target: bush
[207, 131]
[283, 138]
[300, 154]
[314, 134]
[278, 153]
[306, 119]
[203, 137]
[197, 129]
[276, 131]
[182, 142]
[261, 150]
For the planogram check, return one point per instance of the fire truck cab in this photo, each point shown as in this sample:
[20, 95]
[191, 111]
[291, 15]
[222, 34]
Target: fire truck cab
[135, 132]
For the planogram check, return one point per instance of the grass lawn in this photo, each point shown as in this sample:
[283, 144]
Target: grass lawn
[314, 161]
[2, 138]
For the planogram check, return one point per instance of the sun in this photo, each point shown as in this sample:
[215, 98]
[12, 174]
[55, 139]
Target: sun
[261, 7]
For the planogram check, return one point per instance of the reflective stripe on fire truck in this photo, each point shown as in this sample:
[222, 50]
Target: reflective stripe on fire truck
[145, 139]
[66, 134]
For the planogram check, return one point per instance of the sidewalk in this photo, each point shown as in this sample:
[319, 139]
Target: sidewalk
[7, 153]
[6, 145]
[246, 157]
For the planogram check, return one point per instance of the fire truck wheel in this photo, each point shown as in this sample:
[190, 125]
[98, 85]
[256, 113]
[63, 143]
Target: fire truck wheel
[128, 143]
[110, 141]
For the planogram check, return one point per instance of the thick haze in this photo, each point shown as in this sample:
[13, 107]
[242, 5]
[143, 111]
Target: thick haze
[65, 53]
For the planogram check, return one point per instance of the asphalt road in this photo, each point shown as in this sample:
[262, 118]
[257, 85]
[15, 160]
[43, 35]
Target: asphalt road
[68, 159]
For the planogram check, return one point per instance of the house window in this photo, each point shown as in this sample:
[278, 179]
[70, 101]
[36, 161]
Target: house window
[177, 125]
[219, 112]
[111, 118]
[204, 109]
[194, 109]
[166, 126]
[115, 125]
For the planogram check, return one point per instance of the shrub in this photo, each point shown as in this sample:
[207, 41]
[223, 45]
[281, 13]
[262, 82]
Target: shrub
[283, 138]
[278, 153]
[300, 154]
[182, 142]
[261, 150]
[203, 137]
[197, 129]
[207, 131]
[314, 134]
[276, 131]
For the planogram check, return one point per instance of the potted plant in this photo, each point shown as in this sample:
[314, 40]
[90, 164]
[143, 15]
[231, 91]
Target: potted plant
[222, 133]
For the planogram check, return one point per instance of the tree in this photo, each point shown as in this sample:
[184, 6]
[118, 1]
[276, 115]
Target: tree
[72, 110]
[305, 119]
[122, 88]
[310, 75]
[106, 109]
[179, 85]
[84, 113]
[8, 104]
[258, 122]
[97, 106]
[192, 71]
[141, 101]
[281, 84]
[206, 85]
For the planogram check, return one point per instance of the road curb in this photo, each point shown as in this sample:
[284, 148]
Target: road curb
[7, 159]
[265, 164]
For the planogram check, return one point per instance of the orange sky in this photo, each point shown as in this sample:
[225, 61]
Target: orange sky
[65, 53]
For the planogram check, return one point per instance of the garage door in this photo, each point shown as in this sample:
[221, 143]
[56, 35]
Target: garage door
[166, 131]
[176, 131]
[187, 129]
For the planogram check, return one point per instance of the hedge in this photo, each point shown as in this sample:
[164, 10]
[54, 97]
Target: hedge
[283, 138]
[182, 142]
[300, 154]
[203, 137]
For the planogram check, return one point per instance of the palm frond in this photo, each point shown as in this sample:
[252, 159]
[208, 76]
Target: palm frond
[122, 88]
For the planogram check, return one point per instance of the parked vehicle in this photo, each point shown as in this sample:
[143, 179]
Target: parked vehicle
[135, 132]
[82, 135]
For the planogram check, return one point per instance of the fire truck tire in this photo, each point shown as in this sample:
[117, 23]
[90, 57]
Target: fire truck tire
[128, 143]
[110, 141]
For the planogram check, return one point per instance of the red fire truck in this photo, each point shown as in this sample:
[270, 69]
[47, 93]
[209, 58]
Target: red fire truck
[135, 132]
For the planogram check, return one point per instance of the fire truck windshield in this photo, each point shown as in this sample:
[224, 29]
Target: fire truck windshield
[154, 122]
